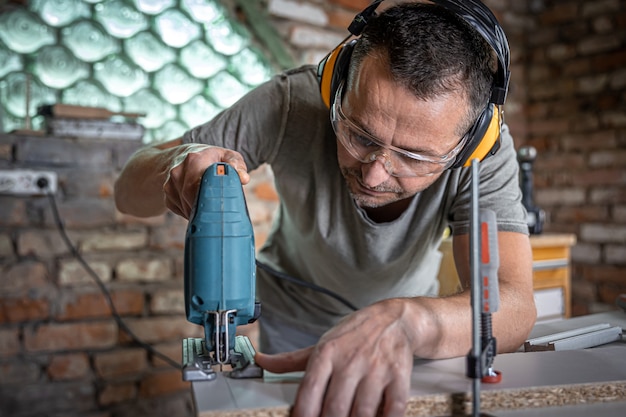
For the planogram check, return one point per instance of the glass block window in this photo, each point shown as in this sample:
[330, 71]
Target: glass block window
[179, 62]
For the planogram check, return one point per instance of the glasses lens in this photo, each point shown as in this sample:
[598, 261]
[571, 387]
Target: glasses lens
[365, 148]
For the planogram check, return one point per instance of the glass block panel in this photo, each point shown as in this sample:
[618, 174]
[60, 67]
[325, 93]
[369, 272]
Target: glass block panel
[198, 110]
[175, 84]
[200, 60]
[10, 61]
[226, 89]
[225, 37]
[60, 12]
[250, 67]
[13, 90]
[56, 67]
[110, 53]
[205, 11]
[120, 76]
[148, 52]
[170, 130]
[153, 6]
[175, 29]
[88, 41]
[157, 110]
[120, 19]
[90, 94]
[24, 32]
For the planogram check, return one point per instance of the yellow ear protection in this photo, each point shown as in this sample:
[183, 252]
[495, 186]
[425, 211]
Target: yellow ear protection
[484, 135]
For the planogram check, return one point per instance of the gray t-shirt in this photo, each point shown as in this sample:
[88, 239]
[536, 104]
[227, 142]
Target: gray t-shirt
[319, 235]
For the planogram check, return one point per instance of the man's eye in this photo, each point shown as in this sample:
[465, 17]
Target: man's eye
[362, 140]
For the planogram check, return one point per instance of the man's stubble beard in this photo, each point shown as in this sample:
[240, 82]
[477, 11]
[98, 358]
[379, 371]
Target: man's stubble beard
[352, 178]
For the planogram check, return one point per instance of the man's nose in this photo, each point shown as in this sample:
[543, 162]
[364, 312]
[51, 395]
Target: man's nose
[376, 171]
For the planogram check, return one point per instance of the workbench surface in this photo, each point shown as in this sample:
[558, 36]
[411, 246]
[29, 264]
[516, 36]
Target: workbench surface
[563, 383]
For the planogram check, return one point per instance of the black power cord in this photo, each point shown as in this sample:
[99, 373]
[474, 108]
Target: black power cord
[293, 280]
[43, 185]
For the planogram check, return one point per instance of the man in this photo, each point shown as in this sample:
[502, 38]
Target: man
[365, 197]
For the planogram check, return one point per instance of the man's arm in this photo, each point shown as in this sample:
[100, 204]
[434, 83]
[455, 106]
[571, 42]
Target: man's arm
[517, 314]
[167, 176]
[365, 362]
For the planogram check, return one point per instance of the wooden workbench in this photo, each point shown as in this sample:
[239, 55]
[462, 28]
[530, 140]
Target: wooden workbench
[549, 383]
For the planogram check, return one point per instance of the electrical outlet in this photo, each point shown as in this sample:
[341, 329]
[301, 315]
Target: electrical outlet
[27, 182]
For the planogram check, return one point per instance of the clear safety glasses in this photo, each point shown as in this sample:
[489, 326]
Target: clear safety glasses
[398, 162]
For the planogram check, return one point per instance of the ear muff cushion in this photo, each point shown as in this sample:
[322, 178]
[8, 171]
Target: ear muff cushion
[484, 138]
[333, 69]
[325, 74]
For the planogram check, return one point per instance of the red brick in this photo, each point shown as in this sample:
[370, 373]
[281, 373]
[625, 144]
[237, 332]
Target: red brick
[608, 293]
[85, 213]
[41, 243]
[6, 247]
[60, 337]
[14, 310]
[172, 350]
[555, 161]
[19, 371]
[559, 14]
[171, 236]
[13, 211]
[592, 177]
[9, 342]
[153, 221]
[580, 214]
[117, 393]
[100, 241]
[356, 5]
[72, 272]
[608, 195]
[120, 362]
[604, 274]
[140, 269]
[24, 277]
[90, 305]
[71, 366]
[162, 382]
[266, 191]
[167, 301]
[602, 139]
[340, 19]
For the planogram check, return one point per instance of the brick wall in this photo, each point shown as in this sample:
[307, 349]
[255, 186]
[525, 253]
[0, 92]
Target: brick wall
[576, 110]
[63, 354]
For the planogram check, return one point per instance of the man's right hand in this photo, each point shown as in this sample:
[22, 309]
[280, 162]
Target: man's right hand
[186, 169]
[167, 176]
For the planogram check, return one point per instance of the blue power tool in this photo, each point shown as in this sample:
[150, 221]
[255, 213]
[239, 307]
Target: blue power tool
[220, 278]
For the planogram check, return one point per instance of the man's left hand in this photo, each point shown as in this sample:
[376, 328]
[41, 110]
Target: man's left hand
[359, 367]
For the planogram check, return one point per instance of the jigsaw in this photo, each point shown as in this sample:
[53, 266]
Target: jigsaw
[220, 279]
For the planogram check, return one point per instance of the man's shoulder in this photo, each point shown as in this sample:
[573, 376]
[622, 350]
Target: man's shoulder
[307, 70]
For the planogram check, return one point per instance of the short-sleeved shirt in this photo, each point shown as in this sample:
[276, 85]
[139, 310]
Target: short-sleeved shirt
[319, 235]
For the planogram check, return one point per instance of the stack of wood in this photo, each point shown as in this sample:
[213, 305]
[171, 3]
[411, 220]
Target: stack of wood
[91, 122]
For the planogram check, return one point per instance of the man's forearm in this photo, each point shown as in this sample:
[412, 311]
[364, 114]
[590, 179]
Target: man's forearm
[443, 326]
[139, 188]
[446, 323]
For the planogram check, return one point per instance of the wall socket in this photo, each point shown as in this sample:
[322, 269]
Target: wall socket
[21, 182]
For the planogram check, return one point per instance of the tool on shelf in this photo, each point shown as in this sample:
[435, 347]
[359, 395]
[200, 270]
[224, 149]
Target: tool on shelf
[220, 279]
[535, 216]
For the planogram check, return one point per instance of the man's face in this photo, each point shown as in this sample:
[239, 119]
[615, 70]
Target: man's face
[393, 115]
